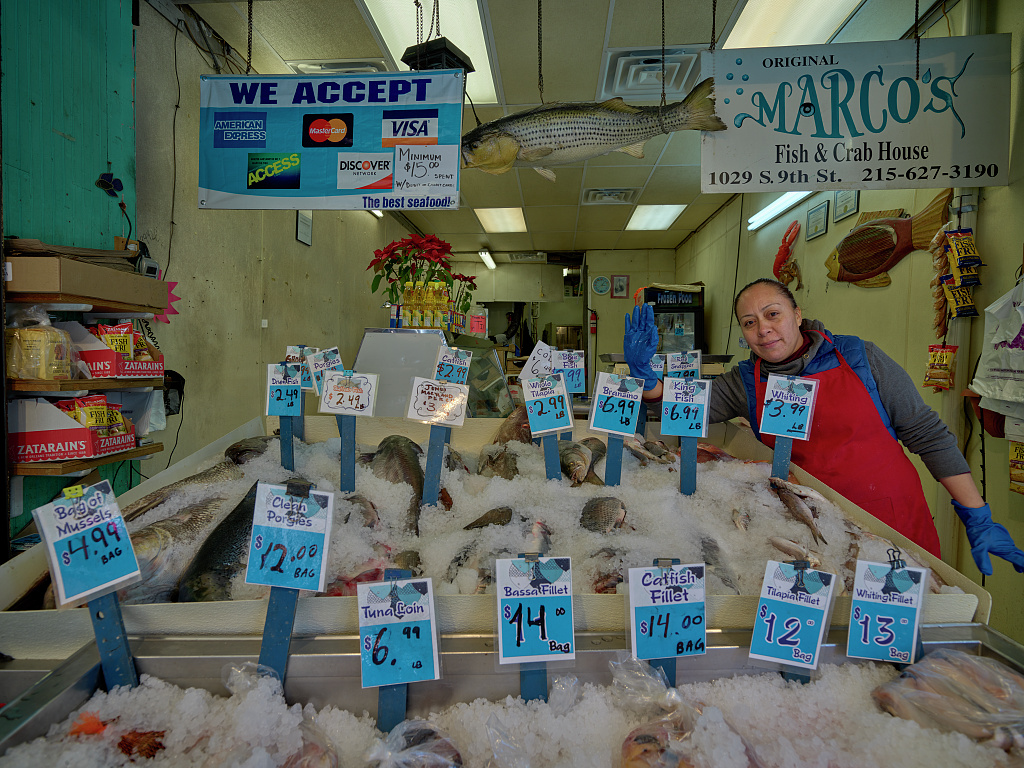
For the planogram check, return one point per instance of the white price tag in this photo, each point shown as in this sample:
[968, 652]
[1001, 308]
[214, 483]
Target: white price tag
[346, 393]
[435, 403]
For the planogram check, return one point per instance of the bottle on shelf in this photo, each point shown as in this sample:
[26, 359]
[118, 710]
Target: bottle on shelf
[417, 305]
[407, 305]
[429, 293]
[439, 305]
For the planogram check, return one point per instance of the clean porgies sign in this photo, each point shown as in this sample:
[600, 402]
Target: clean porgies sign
[855, 116]
[388, 140]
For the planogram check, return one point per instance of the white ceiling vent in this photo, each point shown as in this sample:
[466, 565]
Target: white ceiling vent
[337, 66]
[635, 74]
[616, 196]
[528, 257]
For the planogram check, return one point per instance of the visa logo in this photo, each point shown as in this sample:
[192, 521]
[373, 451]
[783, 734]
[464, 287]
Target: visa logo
[409, 126]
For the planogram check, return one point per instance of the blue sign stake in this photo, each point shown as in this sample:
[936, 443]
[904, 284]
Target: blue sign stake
[435, 453]
[393, 700]
[797, 677]
[668, 666]
[533, 681]
[299, 420]
[783, 452]
[613, 461]
[277, 630]
[112, 642]
[552, 466]
[347, 431]
[287, 449]
[565, 436]
[641, 419]
[688, 465]
[447, 435]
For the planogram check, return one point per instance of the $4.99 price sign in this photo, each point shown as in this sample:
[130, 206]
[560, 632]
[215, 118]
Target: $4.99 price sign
[290, 535]
[666, 608]
[345, 393]
[569, 363]
[284, 391]
[547, 404]
[886, 612]
[87, 545]
[397, 634]
[683, 365]
[789, 406]
[452, 365]
[684, 407]
[617, 404]
[535, 610]
[792, 615]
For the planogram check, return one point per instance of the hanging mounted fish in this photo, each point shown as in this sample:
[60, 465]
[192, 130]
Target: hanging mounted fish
[878, 243]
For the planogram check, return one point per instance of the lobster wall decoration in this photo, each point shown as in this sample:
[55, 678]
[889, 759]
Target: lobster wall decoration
[785, 268]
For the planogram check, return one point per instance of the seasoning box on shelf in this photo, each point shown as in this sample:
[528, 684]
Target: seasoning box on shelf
[40, 431]
[107, 363]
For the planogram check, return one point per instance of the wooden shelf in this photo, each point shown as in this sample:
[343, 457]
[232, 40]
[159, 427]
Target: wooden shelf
[74, 385]
[81, 465]
[98, 305]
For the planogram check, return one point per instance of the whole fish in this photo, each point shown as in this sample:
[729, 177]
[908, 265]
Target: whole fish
[876, 245]
[797, 507]
[408, 560]
[366, 509]
[397, 460]
[453, 460]
[515, 428]
[608, 574]
[560, 133]
[500, 462]
[716, 564]
[598, 450]
[795, 550]
[741, 519]
[708, 452]
[496, 516]
[249, 448]
[658, 449]
[636, 446]
[575, 460]
[603, 514]
[218, 473]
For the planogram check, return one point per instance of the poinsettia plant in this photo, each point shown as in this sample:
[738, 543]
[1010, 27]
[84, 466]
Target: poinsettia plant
[412, 259]
[463, 298]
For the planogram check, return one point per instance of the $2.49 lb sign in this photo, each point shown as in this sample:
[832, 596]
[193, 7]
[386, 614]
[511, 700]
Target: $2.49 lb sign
[284, 389]
[397, 633]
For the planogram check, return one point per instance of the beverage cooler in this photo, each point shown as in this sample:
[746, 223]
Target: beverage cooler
[679, 313]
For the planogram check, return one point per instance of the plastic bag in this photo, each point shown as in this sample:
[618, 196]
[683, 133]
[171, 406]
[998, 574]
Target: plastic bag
[37, 350]
[414, 744]
[1001, 369]
[241, 678]
[317, 750]
[565, 692]
[507, 752]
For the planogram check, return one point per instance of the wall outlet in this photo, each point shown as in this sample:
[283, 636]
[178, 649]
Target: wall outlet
[264, 323]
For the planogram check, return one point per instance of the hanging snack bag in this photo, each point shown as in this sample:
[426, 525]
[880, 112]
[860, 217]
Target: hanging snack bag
[964, 276]
[963, 250]
[119, 338]
[959, 297]
[941, 366]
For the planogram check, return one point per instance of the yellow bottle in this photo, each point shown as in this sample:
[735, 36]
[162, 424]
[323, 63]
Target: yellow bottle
[417, 305]
[407, 305]
[438, 304]
[428, 305]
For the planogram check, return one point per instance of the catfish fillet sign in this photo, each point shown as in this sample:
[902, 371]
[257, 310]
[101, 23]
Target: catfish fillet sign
[857, 116]
[388, 140]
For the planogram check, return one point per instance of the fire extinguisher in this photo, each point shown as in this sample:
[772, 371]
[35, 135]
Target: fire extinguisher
[593, 321]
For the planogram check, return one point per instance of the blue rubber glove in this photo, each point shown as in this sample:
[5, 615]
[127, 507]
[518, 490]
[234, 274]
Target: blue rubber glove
[987, 538]
[640, 343]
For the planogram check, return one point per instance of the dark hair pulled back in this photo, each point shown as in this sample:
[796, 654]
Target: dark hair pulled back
[780, 288]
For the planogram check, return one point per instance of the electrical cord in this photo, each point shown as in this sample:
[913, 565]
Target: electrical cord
[181, 420]
[174, 152]
[124, 210]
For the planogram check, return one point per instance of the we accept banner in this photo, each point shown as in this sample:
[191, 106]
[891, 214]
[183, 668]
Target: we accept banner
[388, 140]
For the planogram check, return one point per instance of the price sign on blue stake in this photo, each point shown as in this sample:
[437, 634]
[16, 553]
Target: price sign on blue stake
[535, 617]
[297, 354]
[397, 633]
[658, 366]
[792, 615]
[569, 363]
[886, 612]
[683, 365]
[617, 404]
[547, 404]
[667, 611]
[87, 544]
[319, 362]
[284, 393]
[789, 406]
[452, 365]
[289, 540]
[346, 393]
[684, 407]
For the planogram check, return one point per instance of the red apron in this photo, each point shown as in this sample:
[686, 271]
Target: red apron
[852, 452]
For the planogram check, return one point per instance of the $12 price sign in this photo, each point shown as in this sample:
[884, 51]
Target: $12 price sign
[569, 363]
[284, 391]
[789, 406]
[436, 403]
[684, 407]
[547, 404]
[290, 535]
[886, 612]
[346, 393]
[535, 610]
[792, 615]
[87, 544]
[452, 365]
[616, 405]
[667, 611]
[683, 365]
[397, 634]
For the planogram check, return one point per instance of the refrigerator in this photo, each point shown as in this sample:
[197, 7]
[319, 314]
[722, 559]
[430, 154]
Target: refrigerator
[679, 313]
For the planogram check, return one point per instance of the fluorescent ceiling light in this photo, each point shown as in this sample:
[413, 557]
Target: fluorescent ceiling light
[460, 23]
[501, 219]
[775, 209]
[488, 261]
[654, 216]
[771, 23]
[378, 214]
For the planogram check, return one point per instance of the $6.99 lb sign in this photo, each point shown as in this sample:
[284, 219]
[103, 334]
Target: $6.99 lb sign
[617, 404]
[397, 633]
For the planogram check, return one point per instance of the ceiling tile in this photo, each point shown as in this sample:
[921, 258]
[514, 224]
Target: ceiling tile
[603, 217]
[603, 178]
[553, 241]
[510, 241]
[312, 29]
[466, 243]
[589, 241]
[565, 190]
[676, 185]
[421, 221]
[552, 218]
[698, 211]
[460, 222]
[638, 22]
[682, 149]
[485, 190]
[669, 239]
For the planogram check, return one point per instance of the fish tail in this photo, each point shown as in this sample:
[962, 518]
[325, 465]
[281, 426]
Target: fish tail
[699, 106]
[924, 225]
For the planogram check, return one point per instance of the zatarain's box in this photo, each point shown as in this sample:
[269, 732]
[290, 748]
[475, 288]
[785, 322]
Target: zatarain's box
[106, 363]
[39, 431]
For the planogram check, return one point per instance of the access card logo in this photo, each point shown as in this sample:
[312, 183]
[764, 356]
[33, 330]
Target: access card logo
[239, 129]
[333, 130]
[408, 126]
[272, 170]
[365, 170]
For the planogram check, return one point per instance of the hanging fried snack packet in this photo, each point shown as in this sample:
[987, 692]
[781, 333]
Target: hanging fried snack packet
[941, 366]
[964, 251]
[141, 350]
[964, 276]
[959, 297]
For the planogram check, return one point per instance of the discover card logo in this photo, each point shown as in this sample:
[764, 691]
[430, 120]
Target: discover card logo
[365, 170]
[239, 129]
[269, 170]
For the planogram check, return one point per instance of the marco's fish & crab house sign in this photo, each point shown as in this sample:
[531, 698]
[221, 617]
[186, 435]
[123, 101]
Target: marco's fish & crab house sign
[860, 116]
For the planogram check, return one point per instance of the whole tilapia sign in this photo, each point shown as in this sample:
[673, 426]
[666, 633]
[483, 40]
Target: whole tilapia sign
[561, 133]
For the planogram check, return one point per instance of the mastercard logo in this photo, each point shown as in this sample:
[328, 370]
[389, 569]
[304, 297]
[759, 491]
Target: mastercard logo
[327, 130]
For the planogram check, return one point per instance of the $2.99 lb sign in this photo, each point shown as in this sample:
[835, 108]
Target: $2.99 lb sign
[616, 404]
[87, 545]
[886, 612]
[452, 365]
[569, 363]
[346, 393]
[290, 536]
[789, 406]
[284, 389]
[397, 634]
[792, 615]
[535, 610]
[667, 611]
[547, 404]
[684, 408]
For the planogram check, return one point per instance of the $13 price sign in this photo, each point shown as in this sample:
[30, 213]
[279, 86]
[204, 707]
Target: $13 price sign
[616, 405]
[87, 544]
[789, 406]
[792, 615]
[397, 634]
[452, 364]
[683, 365]
[886, 612]
[284, 391]
[684, 407]
[535, 610]
[667, 611]
[569, 363]
[547, 404]
[290, 535]
[346, 393]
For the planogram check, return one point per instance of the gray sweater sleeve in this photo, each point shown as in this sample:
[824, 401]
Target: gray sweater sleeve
[728, 397]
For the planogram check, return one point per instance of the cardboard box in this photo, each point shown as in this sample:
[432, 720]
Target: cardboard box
[96, 284]
[105, 363]
[39, 431]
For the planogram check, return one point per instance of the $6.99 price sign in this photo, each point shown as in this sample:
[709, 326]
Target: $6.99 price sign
[684, 407]
[397, 633]
[617, 404]
[87, 545]
[886, 612]
[667, 611]
[535, 617]
[789, 406]
[284, 390]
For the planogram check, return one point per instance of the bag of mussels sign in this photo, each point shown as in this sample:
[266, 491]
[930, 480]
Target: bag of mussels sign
[387, 140]
[860, 116]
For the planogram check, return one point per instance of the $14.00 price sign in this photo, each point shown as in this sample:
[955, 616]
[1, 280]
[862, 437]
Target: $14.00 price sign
[290, 535]
[684, 407]
[792, 615]
[886, 612]
[535, 610]
[397, 634]
[284, 392]
[452, 365]
[789, 406]
[616, 404]
[547, 404]
[569, 363]
[683, 365]
[667, 611]
[345, 393]
[87, 544]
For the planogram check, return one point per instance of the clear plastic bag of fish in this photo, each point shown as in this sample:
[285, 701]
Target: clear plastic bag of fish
[506, 751]
[414, 744]
[950, 690]
[565, 692]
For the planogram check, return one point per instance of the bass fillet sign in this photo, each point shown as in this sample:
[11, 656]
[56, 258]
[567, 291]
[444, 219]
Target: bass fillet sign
[858, 116]
[388, 140]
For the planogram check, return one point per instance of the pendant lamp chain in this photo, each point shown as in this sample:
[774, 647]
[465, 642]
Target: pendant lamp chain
[714, 14]
[248, 54]
[540, 49]
[917, 41]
